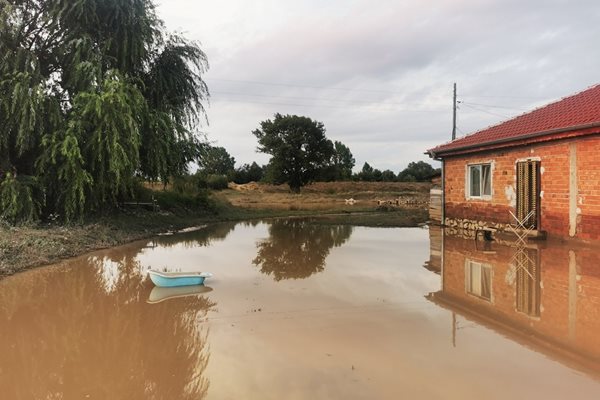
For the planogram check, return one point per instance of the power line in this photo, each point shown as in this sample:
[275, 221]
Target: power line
[504, 97]
[317, 99]
[341, 104]
[302, 86]
[315, 105]
[484, 111]
[263, 83]
[281, 104]
[491, 106]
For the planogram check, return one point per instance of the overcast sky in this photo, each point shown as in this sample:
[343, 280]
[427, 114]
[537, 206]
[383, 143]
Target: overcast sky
[379, 73]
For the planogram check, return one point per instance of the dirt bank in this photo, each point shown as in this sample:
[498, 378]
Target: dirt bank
[24, 247]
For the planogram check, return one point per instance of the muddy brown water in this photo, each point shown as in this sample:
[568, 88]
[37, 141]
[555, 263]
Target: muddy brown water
[297, 310]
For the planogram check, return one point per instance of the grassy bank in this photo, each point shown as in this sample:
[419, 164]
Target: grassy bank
[24, 247]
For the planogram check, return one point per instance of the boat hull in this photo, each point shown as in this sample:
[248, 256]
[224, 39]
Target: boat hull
[164, 280]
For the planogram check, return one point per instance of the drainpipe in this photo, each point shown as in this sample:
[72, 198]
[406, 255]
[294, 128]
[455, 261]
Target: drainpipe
[443, 193]
[443, 223]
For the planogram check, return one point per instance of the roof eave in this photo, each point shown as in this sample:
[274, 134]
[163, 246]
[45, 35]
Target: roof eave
[489, 145]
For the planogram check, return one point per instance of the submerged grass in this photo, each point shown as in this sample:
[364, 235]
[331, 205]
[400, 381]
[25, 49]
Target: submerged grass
[398, 218]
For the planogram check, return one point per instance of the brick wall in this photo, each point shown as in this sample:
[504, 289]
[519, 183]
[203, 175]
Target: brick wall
[588, 182]
[554, 163]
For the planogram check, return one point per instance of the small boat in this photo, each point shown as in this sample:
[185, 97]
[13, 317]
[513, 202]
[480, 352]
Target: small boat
[171, 279]
[159, 294]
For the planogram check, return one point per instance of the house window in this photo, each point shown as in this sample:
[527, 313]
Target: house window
[480, 180]
[479, 279]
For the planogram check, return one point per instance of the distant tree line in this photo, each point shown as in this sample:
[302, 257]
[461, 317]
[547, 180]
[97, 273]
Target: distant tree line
[300, 153]
[418, 171]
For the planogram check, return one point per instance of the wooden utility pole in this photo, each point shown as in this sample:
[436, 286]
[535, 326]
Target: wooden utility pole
[454, 114]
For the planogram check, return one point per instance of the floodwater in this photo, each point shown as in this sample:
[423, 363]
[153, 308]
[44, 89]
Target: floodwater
[298, 310]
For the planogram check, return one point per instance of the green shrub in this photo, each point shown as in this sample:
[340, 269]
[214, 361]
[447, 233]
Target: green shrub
[170, 200]
[141, 193]
[21, 198]
[189, 194]
[189, 184]
[217, 182]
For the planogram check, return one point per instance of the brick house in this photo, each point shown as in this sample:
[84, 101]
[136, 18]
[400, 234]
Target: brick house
[544, 164]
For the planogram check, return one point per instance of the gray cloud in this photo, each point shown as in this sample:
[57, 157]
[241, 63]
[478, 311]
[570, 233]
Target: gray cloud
[402, 56]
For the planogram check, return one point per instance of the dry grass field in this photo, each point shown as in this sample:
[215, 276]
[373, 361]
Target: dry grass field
[333, 196]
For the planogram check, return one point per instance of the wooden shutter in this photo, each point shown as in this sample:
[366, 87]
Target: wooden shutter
[528, 191]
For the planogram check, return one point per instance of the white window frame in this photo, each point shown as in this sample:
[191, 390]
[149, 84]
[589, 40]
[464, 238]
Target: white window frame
[482, 186]
[476, 288]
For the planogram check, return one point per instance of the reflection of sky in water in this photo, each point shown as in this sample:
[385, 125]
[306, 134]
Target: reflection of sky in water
[237, 249]
[109, 271]
[388, 259]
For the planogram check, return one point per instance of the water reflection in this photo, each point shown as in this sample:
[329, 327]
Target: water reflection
[434, 264]
[298, 248]
[71, 333]
[159, 294]
[203, 236]
[545, 296]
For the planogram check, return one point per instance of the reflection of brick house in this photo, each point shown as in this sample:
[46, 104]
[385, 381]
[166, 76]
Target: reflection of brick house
[549, 304]
[545, 162]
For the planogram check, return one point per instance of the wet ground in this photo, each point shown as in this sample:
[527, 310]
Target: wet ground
[298, 310]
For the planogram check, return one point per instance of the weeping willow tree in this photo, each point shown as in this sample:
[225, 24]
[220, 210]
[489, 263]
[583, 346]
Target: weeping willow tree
[93, 94]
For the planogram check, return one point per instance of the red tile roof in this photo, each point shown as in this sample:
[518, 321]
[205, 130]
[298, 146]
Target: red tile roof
[577, 112]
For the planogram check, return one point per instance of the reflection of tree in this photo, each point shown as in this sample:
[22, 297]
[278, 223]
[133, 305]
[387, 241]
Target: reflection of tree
[201, 237]
[64, 336]
[298, 248]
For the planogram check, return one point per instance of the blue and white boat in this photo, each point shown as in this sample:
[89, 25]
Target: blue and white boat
[171, 279]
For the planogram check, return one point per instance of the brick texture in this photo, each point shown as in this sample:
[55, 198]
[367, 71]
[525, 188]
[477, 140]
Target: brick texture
[554, 163]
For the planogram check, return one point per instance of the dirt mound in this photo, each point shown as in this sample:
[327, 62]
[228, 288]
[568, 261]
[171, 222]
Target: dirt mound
[250, 186]
[258, 187]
